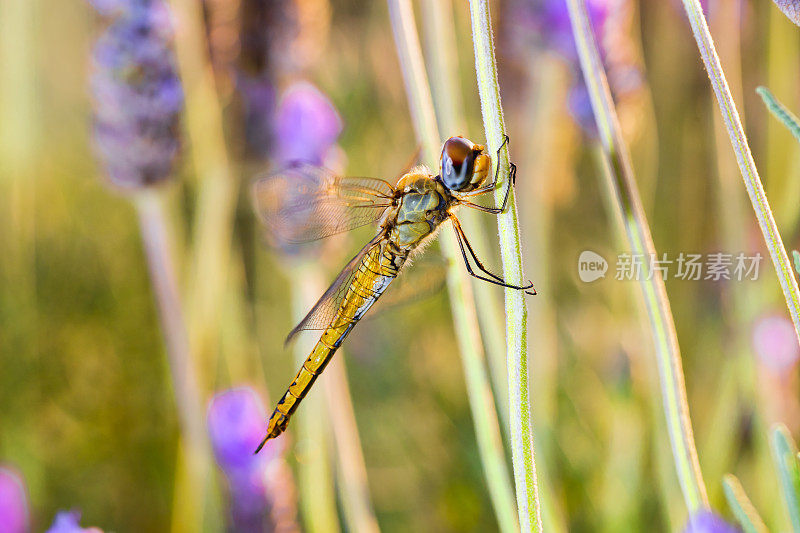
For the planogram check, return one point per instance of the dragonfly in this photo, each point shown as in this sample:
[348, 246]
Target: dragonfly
[305, 203]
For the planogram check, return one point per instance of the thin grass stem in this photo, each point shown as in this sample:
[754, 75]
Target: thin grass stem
[521, 433]
[440, 46]
[744, 157]
[352, 470]
[195, 447]
[780, 111]
[619, 172]
[487, 428]
[317, 494]
[216, 198]
[742, 507]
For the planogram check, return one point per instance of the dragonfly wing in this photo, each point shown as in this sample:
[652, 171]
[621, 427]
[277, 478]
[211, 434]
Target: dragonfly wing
[326, 307]
[305, 203]
[418, 281]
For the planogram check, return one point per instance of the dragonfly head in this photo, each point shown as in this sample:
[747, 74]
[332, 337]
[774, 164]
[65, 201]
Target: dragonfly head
[464, 165]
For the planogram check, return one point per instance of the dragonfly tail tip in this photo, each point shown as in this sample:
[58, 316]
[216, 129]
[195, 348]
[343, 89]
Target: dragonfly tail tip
[263, 442]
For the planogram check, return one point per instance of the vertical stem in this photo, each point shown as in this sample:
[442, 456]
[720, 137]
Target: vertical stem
[440, 46]
[511, 252]
[352, 470]
[315, 475]
[188, 397]
[744, 157]
[619, 172]
[462, 301]
[217, 187]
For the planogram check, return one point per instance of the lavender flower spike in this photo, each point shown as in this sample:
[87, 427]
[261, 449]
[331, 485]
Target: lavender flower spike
[137, 93]
[69, 522]
[306, 125]
[13, 503]
[790, 8]
[708, 522]
[258, 487]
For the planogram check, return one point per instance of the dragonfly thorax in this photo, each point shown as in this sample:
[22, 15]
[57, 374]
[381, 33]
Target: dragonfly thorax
[423, 205]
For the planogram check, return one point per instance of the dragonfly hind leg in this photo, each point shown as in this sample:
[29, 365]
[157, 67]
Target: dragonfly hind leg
[465, 246]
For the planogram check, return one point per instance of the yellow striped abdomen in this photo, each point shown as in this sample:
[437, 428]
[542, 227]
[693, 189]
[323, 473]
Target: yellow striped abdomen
[374, 274]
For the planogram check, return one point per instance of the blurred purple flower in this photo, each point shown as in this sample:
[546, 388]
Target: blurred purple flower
[69, 522]
[13, 502]
[775, 343]
[545, 24]
[137, 94]
[236, 423]
[306, 125]
[708, 522]
[258, 101]
[790, 8]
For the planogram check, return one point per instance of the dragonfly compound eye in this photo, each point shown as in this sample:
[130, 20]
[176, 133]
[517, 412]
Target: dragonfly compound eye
[458, 160]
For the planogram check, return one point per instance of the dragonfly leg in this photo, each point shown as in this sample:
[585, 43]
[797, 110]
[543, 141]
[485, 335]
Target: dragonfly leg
[465, 246]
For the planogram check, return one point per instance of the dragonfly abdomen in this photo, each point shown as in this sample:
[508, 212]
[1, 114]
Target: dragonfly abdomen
[376, 271]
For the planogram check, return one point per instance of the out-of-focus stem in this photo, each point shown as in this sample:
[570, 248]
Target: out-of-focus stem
[216, 198]
[188, 397]
[440, 44]
[619, 172]
[352, 471]
[317, 494]
[781, 161]
[744, 157]
[742, 508]
[511, 251]
[461, 298]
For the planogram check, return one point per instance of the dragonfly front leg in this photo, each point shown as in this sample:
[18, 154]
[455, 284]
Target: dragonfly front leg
[512, 178]
[465, 246]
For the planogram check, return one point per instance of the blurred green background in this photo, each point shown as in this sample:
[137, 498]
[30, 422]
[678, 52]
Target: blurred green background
[86, 407]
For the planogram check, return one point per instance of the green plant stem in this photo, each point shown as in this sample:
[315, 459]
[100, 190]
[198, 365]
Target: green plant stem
[744, 157]
[317, 495]
[440, 47]
[619, 172]
[511, 252]
[742, 508]
[216, 199]
[196, 450]
[462, 303]
[352, 471]
[780, 111]
[784, 452]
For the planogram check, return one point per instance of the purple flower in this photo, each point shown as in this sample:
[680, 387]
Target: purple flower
[708, 522]
[70, 522]
[13, 502]
[258, 101]
[306, 125]
[137, 94]
[545, 24]
[790, 8]
[775, 343]
[236, 424]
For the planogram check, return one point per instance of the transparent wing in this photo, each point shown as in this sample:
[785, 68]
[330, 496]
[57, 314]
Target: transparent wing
[415, 282]
[422, 279]
[305, 203]
[325, 309]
